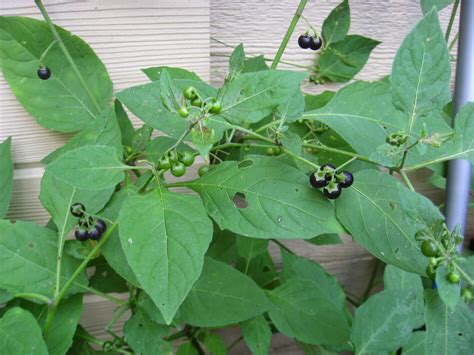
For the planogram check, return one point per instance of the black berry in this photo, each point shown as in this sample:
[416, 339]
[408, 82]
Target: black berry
[315, 43]
[332, 191]
[318, 179]
[348, 179]
[81, 234]
[304, 41]
[95, 234]
[44, 73]
[77, 210]
[100, 224]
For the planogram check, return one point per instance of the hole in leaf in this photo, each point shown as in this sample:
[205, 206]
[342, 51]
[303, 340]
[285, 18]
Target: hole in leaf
[460, 334]
[31, 245]
[239, 200]
[245, 164]
[392, 205]
[297, 190]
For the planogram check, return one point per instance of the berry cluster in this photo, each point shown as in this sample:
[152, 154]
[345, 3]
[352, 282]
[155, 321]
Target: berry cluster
[89, 227]
[330, 180]
[273, 151]
[44, 73]
[191, 98]
[311, 42]
[176, 162]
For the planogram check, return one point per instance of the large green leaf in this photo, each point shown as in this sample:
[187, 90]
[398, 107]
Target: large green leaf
[21, 334]
[384, 216]
[164, 236]
[395, 278]
[222, 296]
[341, 61]
[336, 25]
[28, 259]
[384, 322]
[421, 71]
[427, 5]
[91, 167]
[362, 114]
[257, 335]
[310, 304]
[448, 331]
[253, 96]
[263, 198]
[60, 103]
[416, 344]
[6, 177]
[145, 336]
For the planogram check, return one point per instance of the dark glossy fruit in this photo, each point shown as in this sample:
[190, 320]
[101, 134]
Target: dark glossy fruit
[429, 249]
[190, 93]
[164, 163]
[178, 169]
[44, 73]
[318, 179]
[187, 158]
[454, 277]
[183, 112]
[203, 170]
[100, 224]
[197, 102]
[78, 209]
[95, 234]
[81, 234]
[315, 43]
[332, 191]
[216, 107]
[348, 179]
[304, 41]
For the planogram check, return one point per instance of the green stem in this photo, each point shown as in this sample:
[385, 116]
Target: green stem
[289, 32]
[66, 53]
[177, 335]
[338, 151]
[464, 274]
[407, 180]
[451, 19]
[301, 159]
[347, 162]
[46, 52]
[310, 25]
[283, 246]
[36, 296]
[117, 315]
[453, 42]
[74, 276]
[235, 342]
[106, 296]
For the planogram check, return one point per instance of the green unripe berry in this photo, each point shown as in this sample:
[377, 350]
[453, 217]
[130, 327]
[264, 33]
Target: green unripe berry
[197, 102]
[187, 158]
[270, 151]
[430, 272]
[173, 156]
[183, 112]
[454, 277]
[466, 294]
[178, 169]
[203, 170]
[164, 163]
[190, 93]
[433, 261]
[216, 107]
[428, 248]
[128, 149]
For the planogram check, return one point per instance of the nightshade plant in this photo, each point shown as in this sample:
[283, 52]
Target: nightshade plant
[191, 263]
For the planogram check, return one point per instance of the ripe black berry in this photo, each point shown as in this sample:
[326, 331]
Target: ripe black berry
[100, 224]
[95, 234]
[304, 41]
[77, 210]
[81, 234]
[348, 179]
[315, 43]
[44, 73]
[332, 191]
[318, 179]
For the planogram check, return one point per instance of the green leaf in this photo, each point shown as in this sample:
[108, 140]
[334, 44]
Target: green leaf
[170, 95]
[173, 230]
[146, 305]
[421, 71]
[222, 296]
[202, 138]
[255, 64]
[383, 216]
[416, 344]
[362, 114]
[313, 102]
[384, 322]
[249, 248]
[126, 127]
[310, 304]
[261, 269]
[89, 167]
[145, 336]
[28, 258]
[21, 334]
[105, 279]
[341, 61]
[447, 331]
[326, 239]
[336, 25]
[253, 96]
[237, 61]
[395, 278]
[257, 335]
[263, 198]
[293, 108]
[223, 247]
[154, 73]
[449, 293]
[60, 103]
[214, 344]
[6, 177]
[187, 349]
[141, 137]
[427, 5]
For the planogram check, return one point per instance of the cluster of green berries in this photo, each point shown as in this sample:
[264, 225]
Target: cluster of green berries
[191, 98]
[89, 227]
[312, 42]
[44, 73]
[176, 162]
[273, 151]
[330, 180]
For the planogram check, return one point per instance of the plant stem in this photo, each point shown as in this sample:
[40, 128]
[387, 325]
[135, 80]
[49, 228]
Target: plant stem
[338, 151]
[177, 335]
[310, 25]
[451, 19]
[66, 53]
[301, 159]
[283, 246]
[235, 342]
[46, 52]
[106, 296]
[406, 180]
[74, 276]
[347, 162]
[289, 32]
[453, 42]
[117, 315]
[36, 296]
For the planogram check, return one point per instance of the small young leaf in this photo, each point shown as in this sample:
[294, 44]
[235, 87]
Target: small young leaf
[449, 293]
[427, 5]
[173, 230]
[170, 94]
[187, 348]
[154, 73]
[125, 125]
[326, 239]
[384, 322]
[254, 64]
[89, 167]
[21, 334]
[222, 296]
[214, 344]
[257, 335]
[249, 248]
[60, 103]
[6, 176]
[336, 25]
[237, 61]
[313, 102]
